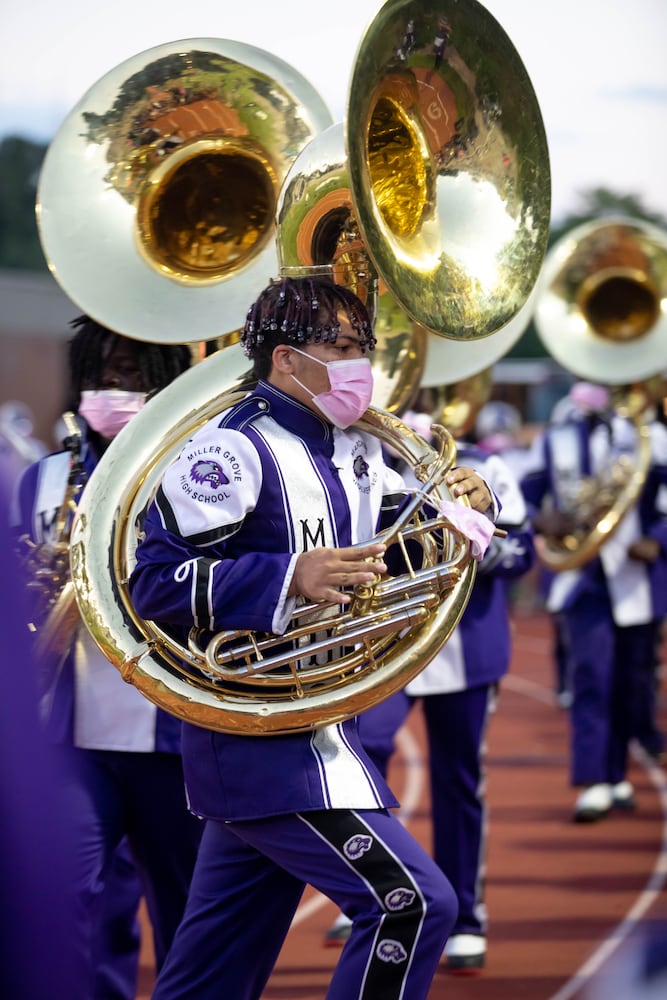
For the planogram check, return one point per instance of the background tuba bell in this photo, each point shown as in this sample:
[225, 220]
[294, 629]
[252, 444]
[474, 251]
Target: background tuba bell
[601, 314]
[156, 211]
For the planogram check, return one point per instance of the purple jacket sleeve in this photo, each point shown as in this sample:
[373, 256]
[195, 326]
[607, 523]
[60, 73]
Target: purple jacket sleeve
[195, 566]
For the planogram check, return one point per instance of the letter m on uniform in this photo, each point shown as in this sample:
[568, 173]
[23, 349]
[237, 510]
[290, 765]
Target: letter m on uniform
[312, 540]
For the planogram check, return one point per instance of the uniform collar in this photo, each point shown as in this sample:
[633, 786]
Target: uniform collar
[293, 415]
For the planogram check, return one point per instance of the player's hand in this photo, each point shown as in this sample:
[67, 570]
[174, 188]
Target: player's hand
[320, 573]
[464, 481]
[555, 524]
[645, 549]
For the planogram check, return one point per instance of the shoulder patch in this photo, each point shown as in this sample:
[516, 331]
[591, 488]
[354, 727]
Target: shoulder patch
[214, 482]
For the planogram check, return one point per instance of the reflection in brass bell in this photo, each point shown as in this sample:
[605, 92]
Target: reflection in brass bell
[156, 200]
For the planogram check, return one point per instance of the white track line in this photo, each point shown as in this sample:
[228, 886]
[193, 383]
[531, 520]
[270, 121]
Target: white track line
[532, 690]
[645, 900]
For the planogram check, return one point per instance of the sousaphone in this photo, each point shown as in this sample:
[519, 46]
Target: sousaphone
[601, 314]
[156, 201]
[440, 275]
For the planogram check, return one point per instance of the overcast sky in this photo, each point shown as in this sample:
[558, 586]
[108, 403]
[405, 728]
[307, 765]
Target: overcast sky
[598, 67]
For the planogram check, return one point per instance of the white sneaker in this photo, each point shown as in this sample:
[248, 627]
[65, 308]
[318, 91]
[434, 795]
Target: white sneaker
[565, 699]
[623, 795]
[593, 803]
[465, 952]
[339, 932]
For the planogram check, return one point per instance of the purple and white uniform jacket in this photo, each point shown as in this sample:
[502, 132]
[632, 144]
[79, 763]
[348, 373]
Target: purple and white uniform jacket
[573, 450]
[88, 705]
[259, 484]
[478, 651]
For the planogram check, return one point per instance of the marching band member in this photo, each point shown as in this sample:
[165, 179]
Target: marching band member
[123, 763]
[611, 607]
[265, 506]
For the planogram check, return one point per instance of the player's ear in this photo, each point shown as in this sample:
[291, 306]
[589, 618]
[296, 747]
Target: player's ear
[282, 359]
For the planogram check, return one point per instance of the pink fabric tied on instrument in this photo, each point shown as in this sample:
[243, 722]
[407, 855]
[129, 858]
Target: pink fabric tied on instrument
[475, 526]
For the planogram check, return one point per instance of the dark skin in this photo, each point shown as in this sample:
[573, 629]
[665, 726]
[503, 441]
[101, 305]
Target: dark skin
[320, 573]
[644, 550]
[554, 523]
[120, 370]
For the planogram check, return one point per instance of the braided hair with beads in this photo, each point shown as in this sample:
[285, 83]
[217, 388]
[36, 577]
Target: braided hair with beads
[91, 343]
[301, 310]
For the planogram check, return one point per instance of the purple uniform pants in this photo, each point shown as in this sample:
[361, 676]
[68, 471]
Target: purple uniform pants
[612, 674]
[119, 949]
[456, 725]
[110, 795]
[247, 884]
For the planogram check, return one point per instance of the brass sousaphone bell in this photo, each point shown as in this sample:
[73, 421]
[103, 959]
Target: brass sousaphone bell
[602, 314]
[156, 200]
[436, 190]
[398, 625]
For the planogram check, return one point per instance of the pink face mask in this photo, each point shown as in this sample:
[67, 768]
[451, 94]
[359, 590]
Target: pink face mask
[589, 397]
[351, 389]
[107, 411]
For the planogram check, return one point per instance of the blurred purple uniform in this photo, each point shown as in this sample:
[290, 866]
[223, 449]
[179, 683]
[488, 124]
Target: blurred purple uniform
[37, 944]
[610, 607]
[124, 779]
[458, 689]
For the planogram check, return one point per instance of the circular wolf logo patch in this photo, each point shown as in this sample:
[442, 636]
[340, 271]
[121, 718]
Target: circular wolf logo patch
[209, 472]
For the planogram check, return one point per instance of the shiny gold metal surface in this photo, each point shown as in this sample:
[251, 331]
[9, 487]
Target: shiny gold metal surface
[602, 305]
[315, 223]
[399, 356]
[450, 361]
[390, 632]
[316, 231]
[156, 200]
[449, 166]
[456, 405]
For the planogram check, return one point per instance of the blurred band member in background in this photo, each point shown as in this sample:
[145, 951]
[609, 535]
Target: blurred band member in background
[609, 610]
[458, 692]
[124, 768]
